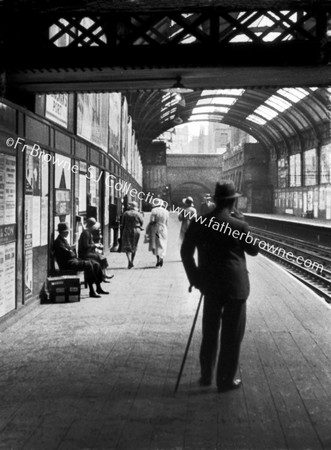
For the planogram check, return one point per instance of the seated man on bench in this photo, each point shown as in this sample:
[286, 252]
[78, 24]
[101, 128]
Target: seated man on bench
[67, 260]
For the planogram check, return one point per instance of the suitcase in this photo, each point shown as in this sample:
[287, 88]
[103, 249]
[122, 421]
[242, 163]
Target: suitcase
[63, 289]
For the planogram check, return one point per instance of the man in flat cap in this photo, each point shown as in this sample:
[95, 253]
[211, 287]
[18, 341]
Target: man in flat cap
[221, 275]
[67, 260]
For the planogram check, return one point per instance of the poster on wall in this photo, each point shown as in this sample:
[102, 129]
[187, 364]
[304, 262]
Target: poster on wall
[295, 170]
[82, 194]
[7, 233]
[326, 164]
[106, 203]
[57, 108]
[124, 134]
[93, 186]
[36, 210]
[282, 172]
[129, 157]
[115, 100]
[28, 226]
[9, 275]
[328, 203]
[44, 203]
[310, 165]
[2, 279]
[92, 118]
[10, 189]
[62, 185]
[28, 260]
[7, 268]
[2, 188]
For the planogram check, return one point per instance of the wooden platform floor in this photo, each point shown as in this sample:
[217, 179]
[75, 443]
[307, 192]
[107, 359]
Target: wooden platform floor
[100, 374]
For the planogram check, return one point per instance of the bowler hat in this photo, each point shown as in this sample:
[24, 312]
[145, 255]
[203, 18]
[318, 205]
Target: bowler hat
[62, 226]
[225, 191]
[188, 200]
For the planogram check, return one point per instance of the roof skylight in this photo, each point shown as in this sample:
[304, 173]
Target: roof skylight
[256, 119]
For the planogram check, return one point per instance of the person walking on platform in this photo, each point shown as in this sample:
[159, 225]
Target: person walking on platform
[222, 277]
[132, 222]
[67, 260]
[207, 205]
[158, 231]
[185, 216]
[88, 249]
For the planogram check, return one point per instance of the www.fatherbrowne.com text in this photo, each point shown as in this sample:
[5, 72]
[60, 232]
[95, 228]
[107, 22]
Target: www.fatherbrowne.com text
[127, 189]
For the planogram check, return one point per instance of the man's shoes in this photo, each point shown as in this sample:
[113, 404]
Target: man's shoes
[204, 381]
[101, 291]
[130, 265]
[229, 386]
[94, 295]
[161, 262]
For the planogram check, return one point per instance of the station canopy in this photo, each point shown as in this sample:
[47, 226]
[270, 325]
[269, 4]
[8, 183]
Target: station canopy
[271, 116]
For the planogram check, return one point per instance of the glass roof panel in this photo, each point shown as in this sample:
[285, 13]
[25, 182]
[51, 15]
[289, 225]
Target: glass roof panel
[278, 103]
[256, 119]
[266, 112]
[226, 92]
[210, 109]
[217, 100]
[293, 94]
[209, 117]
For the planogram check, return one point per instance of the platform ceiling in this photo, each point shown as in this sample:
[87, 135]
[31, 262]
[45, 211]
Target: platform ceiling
[154, 5]
[145, 61]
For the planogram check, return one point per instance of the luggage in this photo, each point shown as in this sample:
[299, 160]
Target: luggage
[63, 289]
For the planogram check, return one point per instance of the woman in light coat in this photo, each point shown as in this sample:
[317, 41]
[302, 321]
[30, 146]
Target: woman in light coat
[158, 231]
[132, 222]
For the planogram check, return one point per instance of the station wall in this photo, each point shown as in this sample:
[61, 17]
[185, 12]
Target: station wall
[48, 175]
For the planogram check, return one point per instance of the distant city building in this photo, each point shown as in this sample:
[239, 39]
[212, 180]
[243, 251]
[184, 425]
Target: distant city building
[211, 137]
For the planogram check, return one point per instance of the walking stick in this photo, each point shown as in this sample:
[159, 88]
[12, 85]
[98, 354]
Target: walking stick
[188, 344]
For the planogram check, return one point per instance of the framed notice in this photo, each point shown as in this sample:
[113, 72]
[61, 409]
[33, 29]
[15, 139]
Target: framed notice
[92, 118]
[7, 268]
[115, 100]
[57, 108]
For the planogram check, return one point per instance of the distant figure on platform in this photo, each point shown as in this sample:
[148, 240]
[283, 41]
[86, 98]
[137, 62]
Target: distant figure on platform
[186, 216]
[132, 222]
[221, 275]
[207, 205]
[157, 230]
[88, 249]
[67, 260]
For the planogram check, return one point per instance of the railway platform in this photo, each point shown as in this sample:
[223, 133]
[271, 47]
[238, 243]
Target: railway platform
[100, 374]
[315, 231]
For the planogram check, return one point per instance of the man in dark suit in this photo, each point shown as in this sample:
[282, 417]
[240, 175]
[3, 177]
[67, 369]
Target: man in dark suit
[67, 260]
[207, 205]
[221, 275]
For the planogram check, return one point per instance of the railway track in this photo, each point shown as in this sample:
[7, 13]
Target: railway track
[317, 277]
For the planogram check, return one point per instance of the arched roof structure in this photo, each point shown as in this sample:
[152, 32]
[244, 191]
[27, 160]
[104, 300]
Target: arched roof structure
[274, 117]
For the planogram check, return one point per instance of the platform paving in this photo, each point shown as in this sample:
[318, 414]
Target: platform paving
[100, 374]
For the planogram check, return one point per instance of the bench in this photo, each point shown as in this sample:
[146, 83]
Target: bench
[55, 270]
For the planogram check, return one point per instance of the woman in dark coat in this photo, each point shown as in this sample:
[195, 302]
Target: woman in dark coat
[131, 226]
